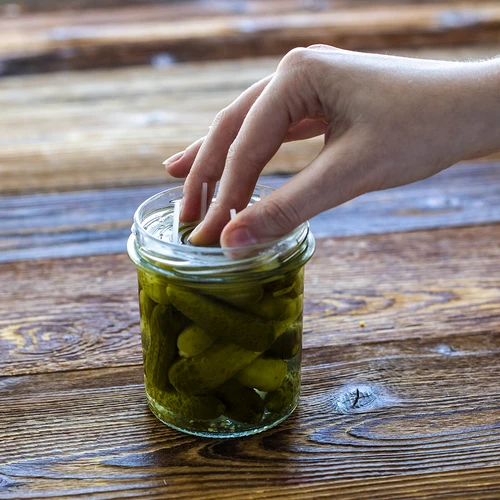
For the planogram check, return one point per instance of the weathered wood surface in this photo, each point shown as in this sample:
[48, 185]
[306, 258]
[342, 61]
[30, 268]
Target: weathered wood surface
[427, 424]
[82, 312]
[114, 38]
[114, 128]
[96, 222]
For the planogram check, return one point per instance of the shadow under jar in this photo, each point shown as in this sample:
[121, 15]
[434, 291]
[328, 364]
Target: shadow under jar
[221, 328]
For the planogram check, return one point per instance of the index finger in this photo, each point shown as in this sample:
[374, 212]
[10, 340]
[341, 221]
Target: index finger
[262, 133]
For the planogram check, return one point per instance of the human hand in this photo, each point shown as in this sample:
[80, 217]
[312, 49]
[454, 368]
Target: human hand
[387, 121]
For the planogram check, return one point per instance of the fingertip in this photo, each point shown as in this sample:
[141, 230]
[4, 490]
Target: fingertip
[202, 236]
[179, 169]
[237, 236]
[172, 159]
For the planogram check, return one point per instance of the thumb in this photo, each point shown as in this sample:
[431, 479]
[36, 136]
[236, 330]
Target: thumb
[338, 174]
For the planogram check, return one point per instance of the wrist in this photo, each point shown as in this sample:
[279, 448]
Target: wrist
[479, 110]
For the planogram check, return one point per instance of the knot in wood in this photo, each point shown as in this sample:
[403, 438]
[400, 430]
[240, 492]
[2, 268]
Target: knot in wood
[357, 399]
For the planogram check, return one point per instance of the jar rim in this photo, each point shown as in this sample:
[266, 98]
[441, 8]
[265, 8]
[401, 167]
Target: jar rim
[161, 253]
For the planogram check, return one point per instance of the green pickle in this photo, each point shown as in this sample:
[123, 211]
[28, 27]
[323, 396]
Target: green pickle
[284, 397]
[154, 286]
[263, 374]
[224, 321]
[146, 306]
[164, 326]
[288, 344]
[193, 340]
[239, 296]
[199, 407]
[209, 369]
[241, 403]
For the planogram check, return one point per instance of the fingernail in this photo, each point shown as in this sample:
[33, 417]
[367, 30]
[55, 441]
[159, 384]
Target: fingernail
[240, 237]
[174, 158]
[195, 231]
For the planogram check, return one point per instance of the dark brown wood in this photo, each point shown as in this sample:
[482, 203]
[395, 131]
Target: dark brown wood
[97, 40]
[407, 406]
[418, 442]
[114, 128]
[81, 313]
[95, 222]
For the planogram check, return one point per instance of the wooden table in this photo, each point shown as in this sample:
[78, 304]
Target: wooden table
[400, 393]
[407, 406]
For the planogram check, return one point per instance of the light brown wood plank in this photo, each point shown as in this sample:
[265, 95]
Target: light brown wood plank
[114, 128]
[438, 286]
[81, 41]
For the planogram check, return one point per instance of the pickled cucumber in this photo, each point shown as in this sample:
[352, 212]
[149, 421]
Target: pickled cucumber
[263, 374]
[280, 400]
[209, 369]
[276, 308]
[242, 403]
[199, 407]
[240, 296]
[146, 306]
[288, 344]
[281, 282]
[298, 285]
[154, 286]
[164, 326]
[193, 340]
[226, 322]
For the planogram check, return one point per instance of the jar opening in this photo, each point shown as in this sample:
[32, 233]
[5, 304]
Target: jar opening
[150, 243]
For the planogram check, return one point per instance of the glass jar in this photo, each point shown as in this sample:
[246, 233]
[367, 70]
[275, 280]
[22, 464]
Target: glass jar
[221, 328]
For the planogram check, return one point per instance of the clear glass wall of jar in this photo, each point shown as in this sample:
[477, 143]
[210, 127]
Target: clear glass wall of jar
[221, 328]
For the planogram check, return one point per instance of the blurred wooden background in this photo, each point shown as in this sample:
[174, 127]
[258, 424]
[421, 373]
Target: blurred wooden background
[131, 104]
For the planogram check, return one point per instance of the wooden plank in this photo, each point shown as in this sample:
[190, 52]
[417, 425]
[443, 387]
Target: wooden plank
[114, 128]
[96, 222]
[442, 286]
[426, 428]
[192, 7]
[23, 6]
[79, 42]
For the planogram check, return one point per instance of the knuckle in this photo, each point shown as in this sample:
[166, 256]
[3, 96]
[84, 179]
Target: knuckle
[197, 176]
[231, 154]
[279, 216]
[225, 123]
[297, 58]
[322, 46]
[238, 155]
[221, 117]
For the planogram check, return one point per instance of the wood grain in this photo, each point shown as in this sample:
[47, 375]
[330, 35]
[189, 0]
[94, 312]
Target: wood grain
[77, 43]
[95, 222]
[90, 434]
[81, 313]
[407, 406]
[114, 128]
[425, 426]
